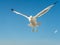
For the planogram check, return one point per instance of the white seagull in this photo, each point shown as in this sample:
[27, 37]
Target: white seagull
[32, 19]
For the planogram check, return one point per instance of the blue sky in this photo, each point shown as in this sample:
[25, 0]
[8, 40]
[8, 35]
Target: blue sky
[14, 28]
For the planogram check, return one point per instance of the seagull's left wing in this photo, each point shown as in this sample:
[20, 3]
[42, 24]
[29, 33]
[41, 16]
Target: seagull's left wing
[44, 11]
[19, 13]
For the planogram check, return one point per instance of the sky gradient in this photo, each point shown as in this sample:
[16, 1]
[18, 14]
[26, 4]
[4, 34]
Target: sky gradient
[14, 29]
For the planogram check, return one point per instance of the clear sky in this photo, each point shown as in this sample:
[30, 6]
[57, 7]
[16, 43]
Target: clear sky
[14, 28]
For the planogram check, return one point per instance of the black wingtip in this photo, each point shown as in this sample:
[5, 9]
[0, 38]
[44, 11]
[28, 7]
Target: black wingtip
[56, 2]
[12, 9]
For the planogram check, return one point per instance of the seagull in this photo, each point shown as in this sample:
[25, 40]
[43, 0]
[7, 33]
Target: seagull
[32, 19]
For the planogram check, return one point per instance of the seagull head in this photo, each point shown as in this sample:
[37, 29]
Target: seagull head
[30, 16]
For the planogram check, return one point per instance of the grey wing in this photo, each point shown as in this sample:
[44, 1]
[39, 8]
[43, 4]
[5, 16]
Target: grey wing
[19, 13]
[44, 11]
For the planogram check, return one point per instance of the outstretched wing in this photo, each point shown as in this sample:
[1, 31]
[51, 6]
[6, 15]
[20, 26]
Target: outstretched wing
[19, 13]
[44, 11]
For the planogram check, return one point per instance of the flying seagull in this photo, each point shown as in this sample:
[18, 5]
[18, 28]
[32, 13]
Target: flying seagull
[32, 19]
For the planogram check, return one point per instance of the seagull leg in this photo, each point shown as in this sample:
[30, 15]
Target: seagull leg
[33, 30]
[36, 30]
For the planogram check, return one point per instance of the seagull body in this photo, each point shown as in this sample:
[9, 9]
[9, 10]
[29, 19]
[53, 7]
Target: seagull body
[32, 19]
[33, 22]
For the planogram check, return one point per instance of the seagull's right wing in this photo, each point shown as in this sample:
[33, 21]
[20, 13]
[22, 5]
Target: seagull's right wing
[19, 13]
[44, 11]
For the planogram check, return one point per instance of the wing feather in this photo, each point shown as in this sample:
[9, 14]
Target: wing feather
[44, 11]
[19, 13]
